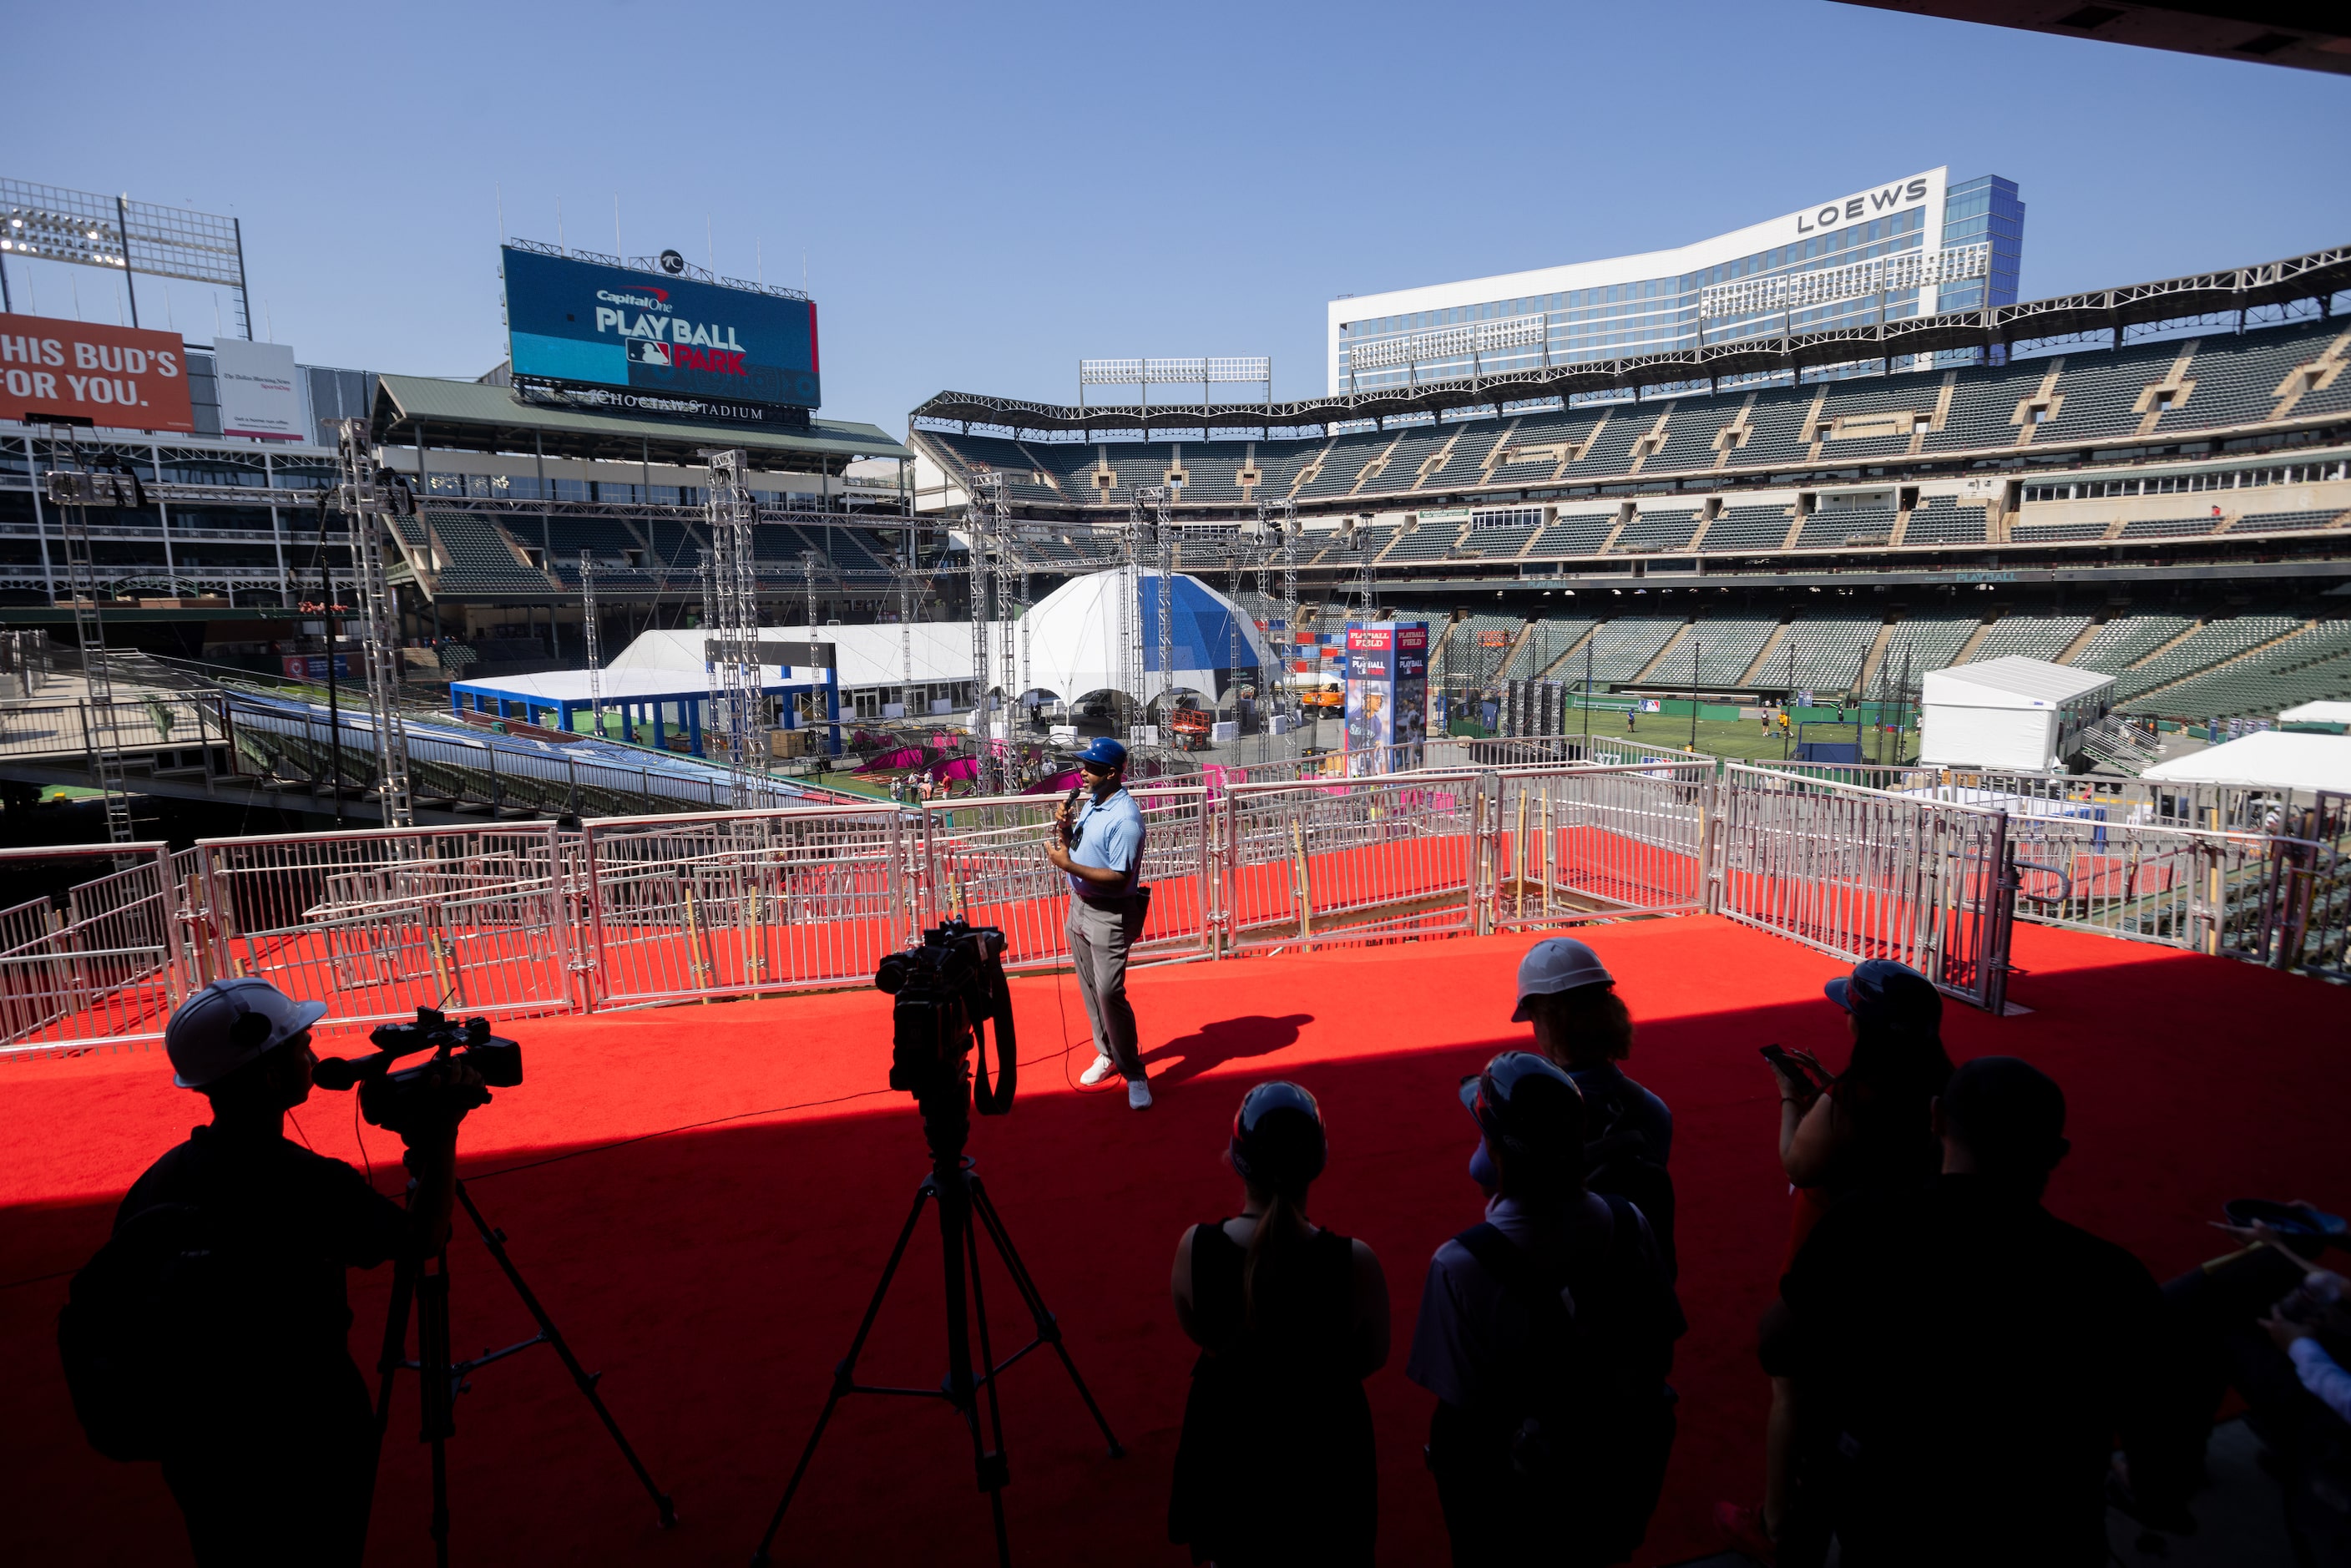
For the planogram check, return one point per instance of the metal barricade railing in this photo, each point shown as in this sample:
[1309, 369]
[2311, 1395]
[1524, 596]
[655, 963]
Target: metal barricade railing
[1348, 859]
[984, 860]
[105, 969]
[1587, 844]
[742, 902]
[2278, 901]
[375, 925]
[1862, 874]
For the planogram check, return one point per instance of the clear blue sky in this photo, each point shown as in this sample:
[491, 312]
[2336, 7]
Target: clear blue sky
[985, 193]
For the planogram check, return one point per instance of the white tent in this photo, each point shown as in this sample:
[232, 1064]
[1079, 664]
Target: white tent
[2265, 759]
[2318, 713]
[2016, 713]
[866, 655]
[1076, 636]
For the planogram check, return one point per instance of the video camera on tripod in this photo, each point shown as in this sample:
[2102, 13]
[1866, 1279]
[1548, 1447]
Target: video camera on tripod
[398, 1102]
[950, 990]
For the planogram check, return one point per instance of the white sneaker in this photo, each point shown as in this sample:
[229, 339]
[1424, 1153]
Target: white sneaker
[1138, 1094]
[1102, 1069]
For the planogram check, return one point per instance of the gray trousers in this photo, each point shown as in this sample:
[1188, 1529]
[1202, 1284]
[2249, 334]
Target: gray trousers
[1100, 936]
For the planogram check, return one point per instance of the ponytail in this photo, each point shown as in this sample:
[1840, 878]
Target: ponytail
[1273, 1243]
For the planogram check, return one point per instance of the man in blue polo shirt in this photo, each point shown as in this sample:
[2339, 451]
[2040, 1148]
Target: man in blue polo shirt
[1100, 850]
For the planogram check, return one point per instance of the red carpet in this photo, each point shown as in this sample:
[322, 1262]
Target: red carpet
[716, 1274]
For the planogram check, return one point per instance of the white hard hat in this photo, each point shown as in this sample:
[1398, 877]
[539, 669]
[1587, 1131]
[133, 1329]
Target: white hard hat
[1561, 964]
[209, 1038]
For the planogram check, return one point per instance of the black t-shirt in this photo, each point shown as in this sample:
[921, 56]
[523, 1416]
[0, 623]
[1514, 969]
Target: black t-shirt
[297, 1220]
[1973, 1358]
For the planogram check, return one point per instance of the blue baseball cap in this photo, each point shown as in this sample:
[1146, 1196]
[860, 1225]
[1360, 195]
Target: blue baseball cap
[1104, 752]
[1880, 990]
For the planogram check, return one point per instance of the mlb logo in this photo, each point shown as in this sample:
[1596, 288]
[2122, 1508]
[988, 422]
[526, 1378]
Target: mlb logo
[646, 351]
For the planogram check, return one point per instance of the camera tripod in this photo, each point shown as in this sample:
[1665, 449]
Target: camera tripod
[439, 1379]
[953, 1183]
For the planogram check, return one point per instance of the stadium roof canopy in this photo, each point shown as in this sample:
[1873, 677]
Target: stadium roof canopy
[475, 416]
[2318, 275]
[2272, 32]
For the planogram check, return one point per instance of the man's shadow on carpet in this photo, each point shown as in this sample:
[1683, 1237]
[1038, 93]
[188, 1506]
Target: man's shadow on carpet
[1227, 1039]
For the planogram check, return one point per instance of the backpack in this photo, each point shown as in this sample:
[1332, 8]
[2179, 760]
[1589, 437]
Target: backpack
[148, 1329]
[1590, 1440]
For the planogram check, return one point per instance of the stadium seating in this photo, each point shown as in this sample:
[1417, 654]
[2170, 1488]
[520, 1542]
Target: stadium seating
[1620, 647]
[1824, 654]
[2205, 647]
[1877, 395]
[1983, 400]
[2237, 378]
[1429, 541]
[2036, 533]
[1830, 528]
[2126, 639]
[1462, 653]
[1690, 432]
[1573, 536]
[2168, 528]
[2285, 522]
[2313, 665]
[476, 558]
[1748, 528]
[1724, 649]
[1550, 638]
[1932, 643]
[1665, 528]
[1941, 520]
[1778, 422]
[2028, 637]
[1495, 544]
[2099, 388]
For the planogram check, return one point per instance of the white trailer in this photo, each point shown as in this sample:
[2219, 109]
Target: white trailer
[2014, 715]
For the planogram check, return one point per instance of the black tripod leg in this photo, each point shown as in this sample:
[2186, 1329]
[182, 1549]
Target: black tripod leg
[1048, 1328]
[393, 1355]
[995, 1468]
[844, 1372]
[586, 1380]
[436, 1390]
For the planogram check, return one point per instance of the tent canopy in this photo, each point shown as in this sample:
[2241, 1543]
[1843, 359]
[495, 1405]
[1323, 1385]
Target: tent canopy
[1077, 637]
[2011, 683]
[2265, 759]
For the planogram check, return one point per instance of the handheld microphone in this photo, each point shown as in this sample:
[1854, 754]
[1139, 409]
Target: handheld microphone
[1070, 827]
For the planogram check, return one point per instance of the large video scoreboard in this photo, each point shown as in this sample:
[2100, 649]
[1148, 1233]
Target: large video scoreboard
[644, 342]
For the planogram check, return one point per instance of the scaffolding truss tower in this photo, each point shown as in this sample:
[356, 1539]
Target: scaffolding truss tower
[731, 616]
[371, 496]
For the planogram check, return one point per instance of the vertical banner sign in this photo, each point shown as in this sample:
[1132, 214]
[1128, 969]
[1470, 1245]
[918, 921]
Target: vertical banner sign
[118, 378]
[1387, 693]
[259, 396]
[1411, 713]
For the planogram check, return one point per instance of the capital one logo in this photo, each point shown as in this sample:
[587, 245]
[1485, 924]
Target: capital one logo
[1861, 206]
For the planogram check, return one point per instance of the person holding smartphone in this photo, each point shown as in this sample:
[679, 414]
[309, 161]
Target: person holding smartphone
[1869, 1128]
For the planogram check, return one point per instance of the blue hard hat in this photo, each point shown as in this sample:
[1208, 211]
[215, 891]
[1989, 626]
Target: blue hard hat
[1104, 752]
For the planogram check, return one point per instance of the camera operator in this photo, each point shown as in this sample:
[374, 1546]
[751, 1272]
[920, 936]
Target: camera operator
[273, 1447]
[1102, 854]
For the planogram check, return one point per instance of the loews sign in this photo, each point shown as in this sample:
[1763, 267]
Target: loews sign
[117, 377]
[1868, 205]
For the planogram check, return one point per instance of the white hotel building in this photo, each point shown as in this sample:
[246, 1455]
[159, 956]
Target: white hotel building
[1912, 246]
